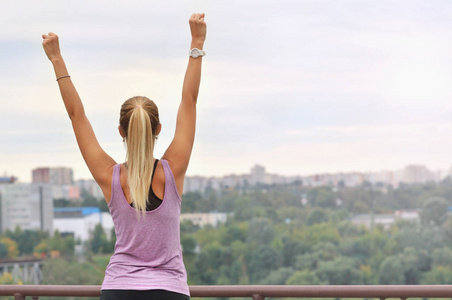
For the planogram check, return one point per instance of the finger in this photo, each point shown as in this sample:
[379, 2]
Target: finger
[44, 36]
[192, 17]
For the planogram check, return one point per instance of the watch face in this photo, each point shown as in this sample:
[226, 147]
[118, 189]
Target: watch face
[194, 53]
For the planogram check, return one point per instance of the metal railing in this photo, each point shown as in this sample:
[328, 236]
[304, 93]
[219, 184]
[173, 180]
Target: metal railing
[256, 292]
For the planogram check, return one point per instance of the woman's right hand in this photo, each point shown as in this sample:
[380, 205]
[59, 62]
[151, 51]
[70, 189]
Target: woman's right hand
[198, 27]
[51, 45]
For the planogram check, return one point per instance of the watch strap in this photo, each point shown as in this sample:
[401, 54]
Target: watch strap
[200, 52]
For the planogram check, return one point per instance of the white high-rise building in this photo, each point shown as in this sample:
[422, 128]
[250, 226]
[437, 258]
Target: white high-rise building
[417, 174]
[29, 206]
[257, 174]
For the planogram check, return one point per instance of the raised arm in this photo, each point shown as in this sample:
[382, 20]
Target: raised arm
[179, 151]
[99, 163]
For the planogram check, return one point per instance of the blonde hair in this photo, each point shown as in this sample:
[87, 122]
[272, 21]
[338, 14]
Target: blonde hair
[139, 120]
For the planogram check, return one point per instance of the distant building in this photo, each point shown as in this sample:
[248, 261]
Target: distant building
[81, 221]
[386, 220]
[203, 219]
[410, 174]
[89, 187]
[56, 176]
[368, 220]
[70, 192]
[8, 179]
[61, 180]
[257, 174]
[417, 174]
[408, 214]
[40, 175]
[194, 183]
[29, 206]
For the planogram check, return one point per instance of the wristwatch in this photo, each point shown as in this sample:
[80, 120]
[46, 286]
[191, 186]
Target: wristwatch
[195, 53]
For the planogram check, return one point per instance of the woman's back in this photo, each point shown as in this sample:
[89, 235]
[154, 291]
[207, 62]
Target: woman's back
[147, 252]
[157, 184]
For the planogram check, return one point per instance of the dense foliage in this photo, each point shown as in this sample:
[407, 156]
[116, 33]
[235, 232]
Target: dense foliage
[272, 238]
[284, 234]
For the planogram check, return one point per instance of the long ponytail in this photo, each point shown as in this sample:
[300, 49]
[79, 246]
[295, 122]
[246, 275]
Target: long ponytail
[140, 138]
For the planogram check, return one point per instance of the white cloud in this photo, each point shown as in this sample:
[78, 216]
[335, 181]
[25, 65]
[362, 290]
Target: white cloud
[297, 86]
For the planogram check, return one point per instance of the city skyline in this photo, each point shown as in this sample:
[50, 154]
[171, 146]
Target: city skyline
[301, 87]
[443, 171]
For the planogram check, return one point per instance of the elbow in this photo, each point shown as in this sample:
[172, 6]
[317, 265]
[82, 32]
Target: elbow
[190, 99]
[75, 113]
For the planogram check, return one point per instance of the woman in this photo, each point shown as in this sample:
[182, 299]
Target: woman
[143, 194]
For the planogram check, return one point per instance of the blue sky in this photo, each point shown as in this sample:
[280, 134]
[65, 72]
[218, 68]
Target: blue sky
[300, 87]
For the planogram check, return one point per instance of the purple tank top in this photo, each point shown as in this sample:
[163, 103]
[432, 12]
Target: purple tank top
[147, 253]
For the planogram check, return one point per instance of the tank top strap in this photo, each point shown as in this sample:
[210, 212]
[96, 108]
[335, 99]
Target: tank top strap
[170, 182]
[116, 182]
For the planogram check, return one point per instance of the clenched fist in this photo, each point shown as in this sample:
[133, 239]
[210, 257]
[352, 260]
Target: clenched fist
[198, 27]
[51, 45]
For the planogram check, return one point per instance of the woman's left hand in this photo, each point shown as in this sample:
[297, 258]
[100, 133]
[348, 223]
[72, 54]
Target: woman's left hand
[51, 45]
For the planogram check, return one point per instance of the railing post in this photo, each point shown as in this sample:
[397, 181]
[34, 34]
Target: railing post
[257, 297]
[18, 296]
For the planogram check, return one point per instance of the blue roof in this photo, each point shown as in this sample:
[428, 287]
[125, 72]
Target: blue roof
[84, 210]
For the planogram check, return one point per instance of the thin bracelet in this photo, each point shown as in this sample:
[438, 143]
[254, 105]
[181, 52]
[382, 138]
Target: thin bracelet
[62, 77]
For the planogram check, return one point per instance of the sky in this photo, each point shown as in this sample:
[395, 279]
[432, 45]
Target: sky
[300, 87]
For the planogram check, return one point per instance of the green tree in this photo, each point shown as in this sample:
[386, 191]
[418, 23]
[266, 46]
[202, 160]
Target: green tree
[438, 275]
[90, 201]
[317, 233]
[68, 246]
[56, 241]
[392, 271]
[188, 244]
[3, 251]
[348, 229]
[41, 248]
[278, 277]
[317, 215]
[59, 271]
[261, 262]
[291, 250]
[233, 232]
[190, 200]
[187, 226]
[303, 277]
[103, 205]
[11, 247]
[442, 257]
[209, 261]
[410, 263]
[260, 232]
[342, 270]
[98, 240]
[28, 240]
[61, 202]
[322, 197]
[434, 212]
